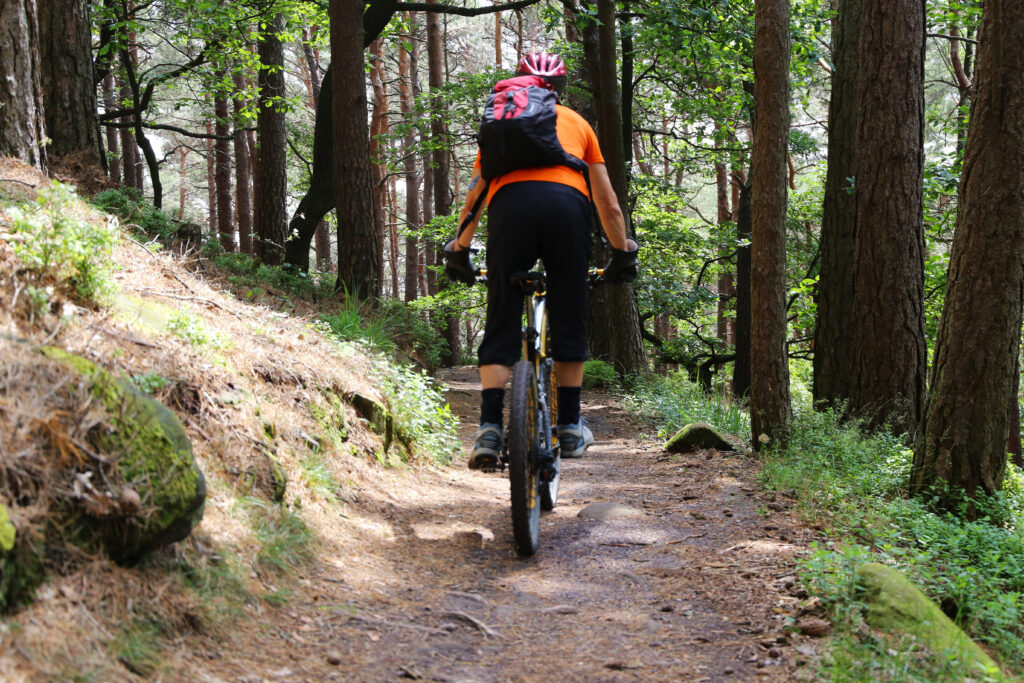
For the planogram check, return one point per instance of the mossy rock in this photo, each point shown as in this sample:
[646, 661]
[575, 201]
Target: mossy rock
[154, 458]
[894, 604]
[696, 436]
[21, 563]
[377, 414]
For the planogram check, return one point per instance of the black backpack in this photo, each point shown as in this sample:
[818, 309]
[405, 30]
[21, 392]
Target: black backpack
[518, 130]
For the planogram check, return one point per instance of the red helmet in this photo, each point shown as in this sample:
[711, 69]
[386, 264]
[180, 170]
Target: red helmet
[542, 64]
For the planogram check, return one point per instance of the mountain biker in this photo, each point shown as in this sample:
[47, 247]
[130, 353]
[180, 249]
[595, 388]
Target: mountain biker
[541, 213]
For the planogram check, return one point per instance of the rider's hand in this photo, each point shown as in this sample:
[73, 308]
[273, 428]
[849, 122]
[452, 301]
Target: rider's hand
[623, 265]
[458, 265]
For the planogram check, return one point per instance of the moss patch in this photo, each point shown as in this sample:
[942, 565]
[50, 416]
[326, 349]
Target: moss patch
[896, 605]
[154, 457]
[696, 436]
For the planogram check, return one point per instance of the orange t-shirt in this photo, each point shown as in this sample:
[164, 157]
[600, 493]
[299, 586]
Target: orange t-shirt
[577, 138]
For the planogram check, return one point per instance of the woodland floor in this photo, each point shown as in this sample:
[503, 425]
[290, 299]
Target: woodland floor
[422, 581]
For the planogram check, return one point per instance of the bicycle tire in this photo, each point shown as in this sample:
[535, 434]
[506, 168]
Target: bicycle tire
[522, 437]
[549, 387]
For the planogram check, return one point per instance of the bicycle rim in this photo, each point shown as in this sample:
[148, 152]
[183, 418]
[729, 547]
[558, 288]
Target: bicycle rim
[549, 384]
[522, 434]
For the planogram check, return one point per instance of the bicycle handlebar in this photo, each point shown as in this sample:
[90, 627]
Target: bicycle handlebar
[536, 280]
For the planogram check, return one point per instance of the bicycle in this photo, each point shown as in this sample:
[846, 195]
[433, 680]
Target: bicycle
[531, 448]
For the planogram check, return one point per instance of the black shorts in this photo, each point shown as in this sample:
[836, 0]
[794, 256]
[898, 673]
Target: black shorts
[526, 221]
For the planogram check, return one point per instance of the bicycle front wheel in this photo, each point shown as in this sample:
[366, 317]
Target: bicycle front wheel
[523, 436]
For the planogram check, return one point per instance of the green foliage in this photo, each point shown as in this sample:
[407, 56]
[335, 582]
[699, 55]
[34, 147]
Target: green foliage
[149, 382]
[598, 374]
[974, 570]
[673, 402]
[252, 276]
[61, 247]
[192, 329]
[127, 204]
[423, 419]
[413, 334]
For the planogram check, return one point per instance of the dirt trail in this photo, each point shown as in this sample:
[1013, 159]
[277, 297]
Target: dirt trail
[425, 583]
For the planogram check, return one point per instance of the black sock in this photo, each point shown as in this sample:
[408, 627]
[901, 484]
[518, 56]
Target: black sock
[492, 404]
[569, 405]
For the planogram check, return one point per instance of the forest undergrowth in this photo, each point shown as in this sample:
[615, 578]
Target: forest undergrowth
[853, 485]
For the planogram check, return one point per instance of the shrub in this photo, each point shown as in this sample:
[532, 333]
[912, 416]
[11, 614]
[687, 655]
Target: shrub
[250, 273]
[424, 422]
[413, 334]
[673, 402]
[61, 248]
[598, 374]
[127, 204]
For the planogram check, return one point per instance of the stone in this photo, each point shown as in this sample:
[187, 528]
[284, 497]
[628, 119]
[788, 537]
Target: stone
[377, 414]
[605, 511]
[814, 627]
[894, 604]
[154, 458]
[697, 436]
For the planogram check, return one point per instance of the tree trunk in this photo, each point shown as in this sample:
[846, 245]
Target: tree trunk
[726, 285]
[962, 443]
[889, 347]
[770, 410]
[113, 146]
[243, 169]
[211, 181]
[359, 266]
[69, 89]
[1013, 444]
[833, 336]
[222, 168]
[407, 65]
[322, 236]
[182, 182]
[615, 321]
[741, 367]
[270, 222]
[129, 151]
[23, 125]
[378, 145]
[440, 161]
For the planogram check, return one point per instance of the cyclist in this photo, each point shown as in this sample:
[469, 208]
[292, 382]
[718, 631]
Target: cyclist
[541, 213]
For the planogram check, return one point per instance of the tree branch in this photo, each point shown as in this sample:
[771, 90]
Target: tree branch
[463, 11]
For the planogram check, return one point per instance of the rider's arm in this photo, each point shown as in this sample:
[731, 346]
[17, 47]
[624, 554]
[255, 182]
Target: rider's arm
[475, 188]
[608, 208]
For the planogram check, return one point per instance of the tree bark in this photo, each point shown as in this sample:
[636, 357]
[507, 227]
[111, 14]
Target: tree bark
[69, 89]
[378, 129]
[243, 169]
[770, 410]
[113, 136]
[440, 161]
[962, 442]
[833, 336]
[359, 260]
[23, 124]
[269, 219]
[615, 321]
[741, 367]
[407, 69]
[211, 182]
[222, 168]
[129, 151]
[889, 347]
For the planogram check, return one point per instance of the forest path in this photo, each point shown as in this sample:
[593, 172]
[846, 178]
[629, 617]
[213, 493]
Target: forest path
[425, 584]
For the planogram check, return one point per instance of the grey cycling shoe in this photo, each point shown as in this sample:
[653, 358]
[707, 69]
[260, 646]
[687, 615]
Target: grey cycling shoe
[486, 453]
[574, 439]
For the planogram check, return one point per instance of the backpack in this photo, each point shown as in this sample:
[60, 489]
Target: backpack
[518, 130]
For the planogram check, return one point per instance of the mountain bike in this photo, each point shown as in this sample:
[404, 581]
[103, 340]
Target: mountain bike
[531, 449]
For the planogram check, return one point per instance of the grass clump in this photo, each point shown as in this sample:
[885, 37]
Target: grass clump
[286, 543]
[857, 482]
[673, 402]
[62, 248]
[316, 472]
[139, 644]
